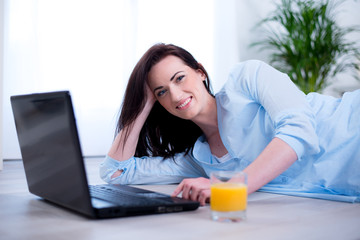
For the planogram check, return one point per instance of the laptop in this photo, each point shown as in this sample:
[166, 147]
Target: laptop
[55, 170]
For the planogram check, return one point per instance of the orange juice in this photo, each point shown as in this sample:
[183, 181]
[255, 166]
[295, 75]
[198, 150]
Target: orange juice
[228, 197]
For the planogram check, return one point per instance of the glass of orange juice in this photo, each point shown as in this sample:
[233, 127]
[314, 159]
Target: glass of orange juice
[228, 199]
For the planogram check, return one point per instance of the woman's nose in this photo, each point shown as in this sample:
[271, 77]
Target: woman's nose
[176, 94]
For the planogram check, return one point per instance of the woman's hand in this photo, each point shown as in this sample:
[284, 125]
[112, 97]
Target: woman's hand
[196, 189]
[150, 97]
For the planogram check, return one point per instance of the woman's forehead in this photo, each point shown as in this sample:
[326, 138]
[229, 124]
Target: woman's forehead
[166, 67]
[170, 61]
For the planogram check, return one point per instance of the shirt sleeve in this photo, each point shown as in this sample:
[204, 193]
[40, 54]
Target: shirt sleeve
[292, 117]
[150, 170]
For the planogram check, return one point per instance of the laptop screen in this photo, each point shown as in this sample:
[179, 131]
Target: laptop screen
[50, 148]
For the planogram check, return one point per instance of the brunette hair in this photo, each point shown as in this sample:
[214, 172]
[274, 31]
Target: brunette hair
[162, 134]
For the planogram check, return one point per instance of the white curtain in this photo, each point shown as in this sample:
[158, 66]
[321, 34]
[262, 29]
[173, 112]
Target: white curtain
[90, 47]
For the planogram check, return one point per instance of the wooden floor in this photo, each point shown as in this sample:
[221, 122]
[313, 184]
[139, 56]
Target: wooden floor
[270, 216]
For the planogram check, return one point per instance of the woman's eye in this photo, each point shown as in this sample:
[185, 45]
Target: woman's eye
[160, 93]
[178, 79]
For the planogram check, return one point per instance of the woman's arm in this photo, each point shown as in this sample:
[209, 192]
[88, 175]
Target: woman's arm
[122, 150]
[273, 160]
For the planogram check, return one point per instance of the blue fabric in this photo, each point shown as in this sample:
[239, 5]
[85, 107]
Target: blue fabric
[256, 104]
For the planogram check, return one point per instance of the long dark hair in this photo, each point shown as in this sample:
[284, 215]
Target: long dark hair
[163, 134]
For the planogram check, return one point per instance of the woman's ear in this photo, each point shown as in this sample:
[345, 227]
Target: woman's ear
[202, 74]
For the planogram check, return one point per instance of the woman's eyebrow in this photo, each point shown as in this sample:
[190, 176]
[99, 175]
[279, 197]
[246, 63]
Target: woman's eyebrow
[172, 78]
[157, 88]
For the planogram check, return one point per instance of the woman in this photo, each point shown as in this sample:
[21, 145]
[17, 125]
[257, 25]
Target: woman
[173, 129]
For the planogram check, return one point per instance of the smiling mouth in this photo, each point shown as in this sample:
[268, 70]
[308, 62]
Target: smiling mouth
[184, 104]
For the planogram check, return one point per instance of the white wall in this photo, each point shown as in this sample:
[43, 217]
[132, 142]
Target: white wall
[348, 16]
[234, 32]
[1, 79]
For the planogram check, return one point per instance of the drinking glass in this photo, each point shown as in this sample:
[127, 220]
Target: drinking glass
[228, 199]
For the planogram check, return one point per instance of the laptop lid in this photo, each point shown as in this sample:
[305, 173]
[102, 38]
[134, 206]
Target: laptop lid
[46, 130]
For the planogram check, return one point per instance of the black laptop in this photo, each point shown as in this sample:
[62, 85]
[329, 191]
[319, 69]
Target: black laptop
[54, 166]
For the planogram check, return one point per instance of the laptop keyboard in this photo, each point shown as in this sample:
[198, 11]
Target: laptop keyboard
[125, 198]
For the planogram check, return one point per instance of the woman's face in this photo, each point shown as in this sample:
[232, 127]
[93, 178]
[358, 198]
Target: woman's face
[178, 88]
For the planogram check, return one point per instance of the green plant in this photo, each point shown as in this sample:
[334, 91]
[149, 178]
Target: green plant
[308, 44]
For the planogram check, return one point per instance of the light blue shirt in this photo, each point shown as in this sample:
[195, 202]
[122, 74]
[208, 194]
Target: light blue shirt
[256, 104]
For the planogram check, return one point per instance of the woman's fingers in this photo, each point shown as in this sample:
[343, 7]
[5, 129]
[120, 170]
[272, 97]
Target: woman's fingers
[186, 191]
[196, 189]
[178, 189]
[194, 194]
[204, 197]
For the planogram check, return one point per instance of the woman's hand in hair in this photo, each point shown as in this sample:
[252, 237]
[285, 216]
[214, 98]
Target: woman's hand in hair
[196, 189]
[149, 95]
[124, 145]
